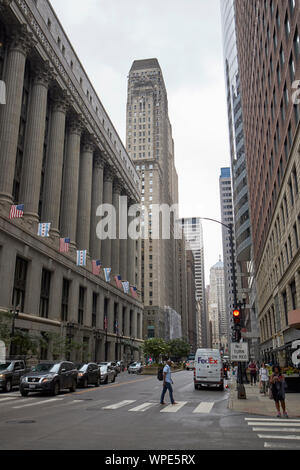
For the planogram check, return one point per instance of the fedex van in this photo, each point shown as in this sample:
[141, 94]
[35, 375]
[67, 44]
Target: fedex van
[208, 369]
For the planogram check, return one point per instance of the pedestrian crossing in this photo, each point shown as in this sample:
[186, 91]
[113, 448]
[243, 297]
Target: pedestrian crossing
[15, 401]
[277, 433]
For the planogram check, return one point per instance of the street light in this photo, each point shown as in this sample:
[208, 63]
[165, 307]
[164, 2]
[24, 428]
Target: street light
[15, 313]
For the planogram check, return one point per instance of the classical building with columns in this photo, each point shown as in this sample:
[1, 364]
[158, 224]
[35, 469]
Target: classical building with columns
[61, 157]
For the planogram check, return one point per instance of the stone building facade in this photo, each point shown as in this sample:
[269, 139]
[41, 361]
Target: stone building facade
[61, 157]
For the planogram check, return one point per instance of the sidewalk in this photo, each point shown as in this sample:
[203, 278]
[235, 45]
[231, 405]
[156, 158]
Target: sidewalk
[257, 403]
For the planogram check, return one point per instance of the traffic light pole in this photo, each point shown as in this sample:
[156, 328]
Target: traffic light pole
[240, 386]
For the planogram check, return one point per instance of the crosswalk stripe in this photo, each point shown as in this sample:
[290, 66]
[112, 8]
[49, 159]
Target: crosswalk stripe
[276, 430]
[276, 436]
[174, 408]
[277, 445]
[276, 423]
[38, 403]
[204, 407]
[7, 399]
[118, 405]
[273, 419]
[143, 407]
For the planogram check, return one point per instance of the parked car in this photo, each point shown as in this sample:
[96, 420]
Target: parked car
[10, 374]
[107, 374]
[50, 377]
[88, 374]
[135, 368]
[190, 365]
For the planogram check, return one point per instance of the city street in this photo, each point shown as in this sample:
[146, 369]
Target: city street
[127, 415]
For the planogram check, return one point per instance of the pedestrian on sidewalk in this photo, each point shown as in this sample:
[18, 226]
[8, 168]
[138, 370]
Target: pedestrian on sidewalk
[167, 384]
[278, 386]
[264, 378]
[253, 372]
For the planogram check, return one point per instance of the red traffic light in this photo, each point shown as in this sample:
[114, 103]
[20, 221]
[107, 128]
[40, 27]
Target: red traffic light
[236, 313]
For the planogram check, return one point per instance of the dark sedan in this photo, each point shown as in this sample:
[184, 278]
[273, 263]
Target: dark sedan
[88, 374]
[50, 377]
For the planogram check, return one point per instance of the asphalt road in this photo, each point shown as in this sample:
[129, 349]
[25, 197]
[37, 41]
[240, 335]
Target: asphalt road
[127, 416]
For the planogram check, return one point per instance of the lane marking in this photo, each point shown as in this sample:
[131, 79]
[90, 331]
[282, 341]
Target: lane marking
[174, 408]
[7, 399]
[285, 423]
[277, 430]
[278, 445]
[115, 406]
[275, 436]
[272, 419]
[38, 403]
[143, 407]
[105, 387]
[204, 407]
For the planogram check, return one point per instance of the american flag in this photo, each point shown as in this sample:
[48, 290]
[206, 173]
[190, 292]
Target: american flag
[105, 322]
[81, 258]
[125, 286]
[64, 244]
[44, 229]
[16, 212]
[96, 266]
[107, 274]
[118, 282]
[133, 291]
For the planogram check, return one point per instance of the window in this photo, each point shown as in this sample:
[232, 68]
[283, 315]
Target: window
[94, 309]
[45, 293]
[65, 300]
[19, 290]
[81, 305]
[293, 295]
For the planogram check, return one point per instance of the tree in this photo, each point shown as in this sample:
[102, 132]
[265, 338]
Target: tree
[178, 348]
[155, 347]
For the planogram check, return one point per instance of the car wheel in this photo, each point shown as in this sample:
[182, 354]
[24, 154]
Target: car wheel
[73, 387]
[106, 380]
[196, 387]
[221, 388]
[85, 383]
[8, 386]
[97, 384]
[24, 393]
[56, 389]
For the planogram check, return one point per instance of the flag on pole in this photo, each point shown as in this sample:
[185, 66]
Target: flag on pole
[44, 229]
[125, 286]
[118, 281]
[96, 266]
[116, 327]
[81, 258]
[16, 212]
[105, 322]
[64, 244]
[133, 291]
[107, 274]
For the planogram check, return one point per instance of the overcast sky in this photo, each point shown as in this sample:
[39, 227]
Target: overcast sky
[185, 36]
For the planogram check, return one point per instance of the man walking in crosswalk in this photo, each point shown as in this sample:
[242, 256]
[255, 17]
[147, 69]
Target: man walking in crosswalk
[167, 384]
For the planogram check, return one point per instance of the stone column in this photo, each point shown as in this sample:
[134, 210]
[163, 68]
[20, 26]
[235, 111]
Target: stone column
[34, 145]
[68, 222]
[54, 163]
[107, 199]
[85, 195]
[21, 42]
[131, 252]
[134, 323]
[297, 281]
[123, 241]
[115, 244]
[127, 319]
[97, 200]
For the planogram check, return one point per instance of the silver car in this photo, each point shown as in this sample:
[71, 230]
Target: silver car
[135, 368]
[107, 374]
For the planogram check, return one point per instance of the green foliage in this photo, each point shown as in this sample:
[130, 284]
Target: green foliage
[178, 348]
[155, 347]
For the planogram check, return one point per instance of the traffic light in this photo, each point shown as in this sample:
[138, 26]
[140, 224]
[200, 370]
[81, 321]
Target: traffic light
[236, 316]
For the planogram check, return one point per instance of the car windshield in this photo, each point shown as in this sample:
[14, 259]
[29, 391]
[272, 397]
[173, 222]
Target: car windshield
[103, 364]
[42, 367]
[83, 368]
[103, 368]
[5, 365]
[55, 368]
[134, 364]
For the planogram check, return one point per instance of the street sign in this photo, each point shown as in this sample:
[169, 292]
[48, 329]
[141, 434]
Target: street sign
[239, 352]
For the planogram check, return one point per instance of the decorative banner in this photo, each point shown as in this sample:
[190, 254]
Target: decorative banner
[107, 272]
[64, 245]
[81, 258]
[105, 322]
[118, 281]
[96, 266]
[125, 286]
[133, 291]
[44, 229]
[116, 327]
[16, 212]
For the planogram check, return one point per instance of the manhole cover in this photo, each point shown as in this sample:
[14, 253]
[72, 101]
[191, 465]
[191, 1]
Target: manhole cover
[23, 421]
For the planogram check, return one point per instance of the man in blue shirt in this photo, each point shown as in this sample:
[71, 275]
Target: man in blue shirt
[167, 383]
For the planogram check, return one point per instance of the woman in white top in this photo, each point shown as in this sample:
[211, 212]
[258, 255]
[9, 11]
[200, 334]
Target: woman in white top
[263, 377]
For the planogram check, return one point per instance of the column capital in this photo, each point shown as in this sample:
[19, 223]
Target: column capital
[108, 174]
[75, 125]
[21, 39]
[88, 144]
[60, 100]
[117, 186]
[98, 161]
[43, 73]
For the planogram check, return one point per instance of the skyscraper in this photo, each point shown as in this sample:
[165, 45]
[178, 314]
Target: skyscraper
[217, 306]
[151, 147]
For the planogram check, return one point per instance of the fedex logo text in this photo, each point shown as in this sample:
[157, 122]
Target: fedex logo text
[210, 360]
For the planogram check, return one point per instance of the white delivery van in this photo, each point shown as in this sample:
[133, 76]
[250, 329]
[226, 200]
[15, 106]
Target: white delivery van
[208, 369]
